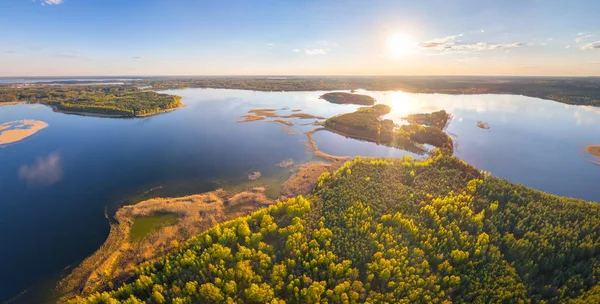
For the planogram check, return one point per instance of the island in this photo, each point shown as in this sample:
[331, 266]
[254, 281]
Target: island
[437, 119]
[381, 231]
[483, 125]
[366, 124]
[348, 98]
[94, 100]
[17, 130]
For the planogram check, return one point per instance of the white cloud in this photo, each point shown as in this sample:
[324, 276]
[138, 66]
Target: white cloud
[483, 31]
[315, 52]
[580, 39]
[44, 172]
[567, 47]
[296, 50]
[589, 46]
[52, 2]
[439, 43]
[579, 34]
[451, 43]
[595, 62]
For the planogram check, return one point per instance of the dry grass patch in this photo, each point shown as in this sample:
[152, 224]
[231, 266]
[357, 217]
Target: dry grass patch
[250, 117]
[116, 260]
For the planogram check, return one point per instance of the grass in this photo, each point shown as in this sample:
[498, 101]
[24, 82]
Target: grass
[142, 226]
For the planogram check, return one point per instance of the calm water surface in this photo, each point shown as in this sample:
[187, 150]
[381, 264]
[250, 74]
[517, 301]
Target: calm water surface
[56, 185]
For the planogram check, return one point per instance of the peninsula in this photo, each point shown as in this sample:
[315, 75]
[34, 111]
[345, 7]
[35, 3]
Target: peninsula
[94, 100]
[366, 124]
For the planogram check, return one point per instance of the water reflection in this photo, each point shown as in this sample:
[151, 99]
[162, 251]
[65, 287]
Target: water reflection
[44, 172]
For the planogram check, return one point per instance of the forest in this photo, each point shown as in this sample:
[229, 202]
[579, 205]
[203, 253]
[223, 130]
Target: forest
[348, 98]
[366, 124]
[569, 90]
[109, 100]
[387, 230]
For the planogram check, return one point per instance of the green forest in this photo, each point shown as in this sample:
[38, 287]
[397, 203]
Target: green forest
[383, 230]
[366, 124]
[113, 100]
[348, 98]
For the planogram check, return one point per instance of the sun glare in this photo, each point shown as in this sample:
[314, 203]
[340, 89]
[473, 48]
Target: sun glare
[400, 45]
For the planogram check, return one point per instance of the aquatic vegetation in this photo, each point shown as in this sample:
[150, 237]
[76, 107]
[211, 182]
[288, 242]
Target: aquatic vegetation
[264, 112]
[17, 130]
[250, 117]
[387, 230]
[286, 163]
[302, 116]
[254, 175]
[144, 225]
[593, 150]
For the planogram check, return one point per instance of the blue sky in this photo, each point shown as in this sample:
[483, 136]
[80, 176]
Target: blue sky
[301, 37]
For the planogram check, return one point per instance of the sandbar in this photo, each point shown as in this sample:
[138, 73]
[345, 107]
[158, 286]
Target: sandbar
[17, 130]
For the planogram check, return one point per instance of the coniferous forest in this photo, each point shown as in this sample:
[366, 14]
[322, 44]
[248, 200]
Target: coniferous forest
[396, 231]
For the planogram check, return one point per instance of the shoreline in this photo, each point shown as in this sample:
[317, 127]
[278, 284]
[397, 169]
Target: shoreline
[92, 114]
[10, 103]
[119, 256]
[312, 145]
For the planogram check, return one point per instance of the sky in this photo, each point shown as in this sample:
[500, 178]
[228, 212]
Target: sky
[299, 37]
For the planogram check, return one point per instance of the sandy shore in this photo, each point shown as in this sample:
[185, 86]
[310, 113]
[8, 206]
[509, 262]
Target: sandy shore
[26, 128]
[11, 103]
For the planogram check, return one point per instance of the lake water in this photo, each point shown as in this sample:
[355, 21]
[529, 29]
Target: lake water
[56, 185]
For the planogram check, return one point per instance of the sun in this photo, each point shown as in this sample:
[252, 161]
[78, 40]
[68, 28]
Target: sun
[400, 45]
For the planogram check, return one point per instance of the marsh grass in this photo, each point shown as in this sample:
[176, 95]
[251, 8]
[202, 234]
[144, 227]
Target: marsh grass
[142, 226]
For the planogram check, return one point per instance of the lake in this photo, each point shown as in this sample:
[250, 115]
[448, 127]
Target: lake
[57, 186]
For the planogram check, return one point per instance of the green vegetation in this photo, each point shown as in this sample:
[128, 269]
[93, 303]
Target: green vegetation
[144, 225]
[110, 100]
[397, 231]
[437, 119]
[366, 124]
[569, 90]
[348, 98]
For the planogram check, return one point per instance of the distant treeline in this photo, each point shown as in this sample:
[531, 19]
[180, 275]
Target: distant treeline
[570, 90]
[113, 100]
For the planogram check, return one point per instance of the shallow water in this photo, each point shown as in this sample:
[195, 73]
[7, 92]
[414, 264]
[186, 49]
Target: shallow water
[56, 185]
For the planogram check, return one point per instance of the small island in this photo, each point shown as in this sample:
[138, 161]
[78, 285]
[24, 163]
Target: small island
[366, 124]
[348, 98]
[483, 125]
[437, 119]
[17, 130]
